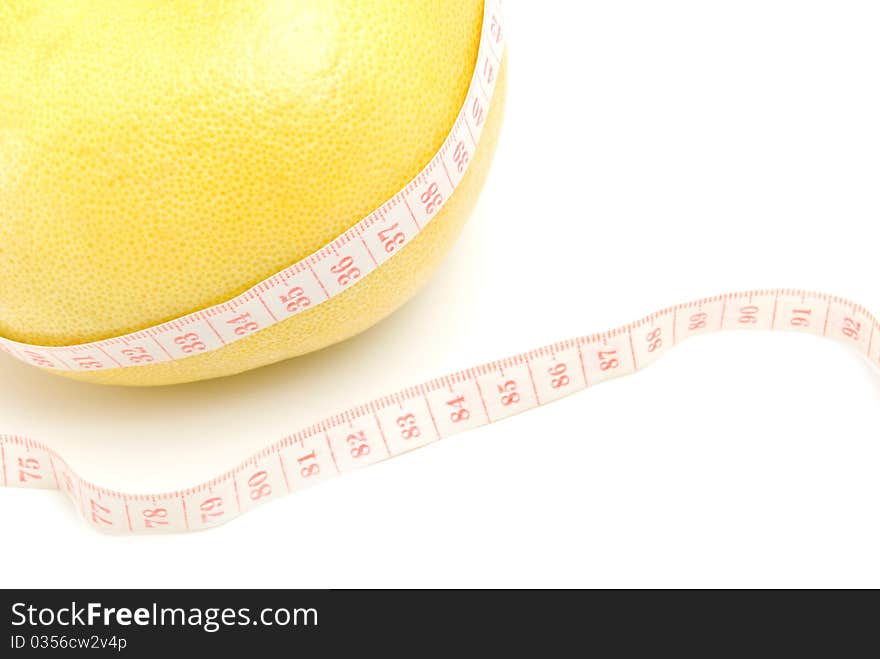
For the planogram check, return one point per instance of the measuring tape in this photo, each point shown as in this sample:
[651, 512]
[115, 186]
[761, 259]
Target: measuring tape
[408, 419]
[318, 277]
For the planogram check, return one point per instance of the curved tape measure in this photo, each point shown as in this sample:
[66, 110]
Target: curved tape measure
[319, 276]
[408, 419]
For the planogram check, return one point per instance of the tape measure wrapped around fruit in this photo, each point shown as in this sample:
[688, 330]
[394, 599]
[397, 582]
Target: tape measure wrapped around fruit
[191, 190]
[161, 159]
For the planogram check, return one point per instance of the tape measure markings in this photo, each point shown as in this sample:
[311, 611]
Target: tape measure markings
[318, 277]
[420, 415]
[415, 416]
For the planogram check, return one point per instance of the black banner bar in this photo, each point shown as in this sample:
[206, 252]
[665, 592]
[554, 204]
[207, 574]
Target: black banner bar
[411, 623]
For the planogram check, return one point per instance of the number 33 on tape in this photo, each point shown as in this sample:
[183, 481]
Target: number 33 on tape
[401, 422]
[395, 424]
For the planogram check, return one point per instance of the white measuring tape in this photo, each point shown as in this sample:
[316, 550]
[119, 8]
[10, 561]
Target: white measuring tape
[318, 277]
[408, 419]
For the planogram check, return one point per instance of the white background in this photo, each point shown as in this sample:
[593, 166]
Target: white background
[652, 153]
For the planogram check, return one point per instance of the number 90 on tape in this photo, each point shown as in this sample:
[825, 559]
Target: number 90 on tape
[414, 417]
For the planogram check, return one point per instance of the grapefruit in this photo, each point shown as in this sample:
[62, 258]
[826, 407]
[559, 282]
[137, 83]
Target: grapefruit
[160, 157]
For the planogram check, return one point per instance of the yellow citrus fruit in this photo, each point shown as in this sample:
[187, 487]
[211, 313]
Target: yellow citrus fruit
[158, 157]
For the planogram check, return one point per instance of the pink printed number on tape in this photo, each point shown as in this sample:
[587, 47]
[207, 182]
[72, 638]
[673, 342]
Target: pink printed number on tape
[419, 415]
